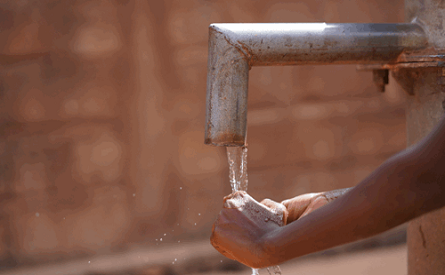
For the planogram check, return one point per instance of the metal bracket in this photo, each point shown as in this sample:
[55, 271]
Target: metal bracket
[405, 68]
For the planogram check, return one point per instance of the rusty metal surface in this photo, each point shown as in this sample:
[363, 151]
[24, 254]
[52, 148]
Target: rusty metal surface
[234, 48]
[425, 58]
[396, 66]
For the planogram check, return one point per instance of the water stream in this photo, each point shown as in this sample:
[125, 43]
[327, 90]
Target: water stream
[237, 158]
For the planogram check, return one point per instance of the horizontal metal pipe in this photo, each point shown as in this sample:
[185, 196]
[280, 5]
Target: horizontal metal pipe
[234, 48]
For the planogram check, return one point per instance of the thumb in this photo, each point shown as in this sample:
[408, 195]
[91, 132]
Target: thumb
[298, 205]
[277, 208]
[316, 203]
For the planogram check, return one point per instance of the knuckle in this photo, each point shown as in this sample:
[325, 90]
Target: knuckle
[268, 202]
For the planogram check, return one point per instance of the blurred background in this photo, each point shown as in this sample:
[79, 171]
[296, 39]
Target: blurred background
[103, 167]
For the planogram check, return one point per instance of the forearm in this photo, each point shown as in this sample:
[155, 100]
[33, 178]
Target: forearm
[399, 190]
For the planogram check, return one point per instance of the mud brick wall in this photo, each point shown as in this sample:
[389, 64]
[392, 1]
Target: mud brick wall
[65, 95]
[102, 108]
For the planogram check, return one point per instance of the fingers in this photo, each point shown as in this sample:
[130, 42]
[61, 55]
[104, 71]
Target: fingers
[278, 208]
[315, 204]
[234, 200]
[269, 203]
[297, 206]
[302, 205]
[235, 194]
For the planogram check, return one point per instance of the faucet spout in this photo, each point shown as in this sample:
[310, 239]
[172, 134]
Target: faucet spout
[235, 48]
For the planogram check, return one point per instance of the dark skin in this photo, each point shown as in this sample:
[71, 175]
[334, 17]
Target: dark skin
[406, 186]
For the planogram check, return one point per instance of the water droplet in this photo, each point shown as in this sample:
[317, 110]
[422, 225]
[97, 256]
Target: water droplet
[176, 259]
[173, 262]
[221, 261]
[156, 239]
[63, 217]
[180, 188]
[276, 270]
[179, 241]
[266, 219]
[160, 239]
[195, 223]
[165, 234]
[173, 230]
[134, 194]
[89, 262]
[199, 214]
[178, 224]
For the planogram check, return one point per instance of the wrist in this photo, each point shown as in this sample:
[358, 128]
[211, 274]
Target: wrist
[270, 248]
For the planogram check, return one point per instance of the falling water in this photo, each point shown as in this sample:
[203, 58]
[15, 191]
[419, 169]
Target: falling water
[237, 157]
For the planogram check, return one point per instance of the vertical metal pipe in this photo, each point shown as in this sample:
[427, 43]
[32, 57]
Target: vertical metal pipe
[426, 234]
[227, 79]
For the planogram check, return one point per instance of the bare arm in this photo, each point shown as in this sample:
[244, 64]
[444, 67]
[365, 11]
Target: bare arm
[406, 186]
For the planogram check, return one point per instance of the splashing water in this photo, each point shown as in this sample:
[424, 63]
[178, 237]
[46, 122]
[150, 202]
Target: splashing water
[237, 158]
[275, 269]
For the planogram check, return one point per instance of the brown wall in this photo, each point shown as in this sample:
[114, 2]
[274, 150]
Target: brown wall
[102, 115]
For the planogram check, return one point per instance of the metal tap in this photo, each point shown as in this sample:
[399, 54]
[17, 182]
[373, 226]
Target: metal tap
[235, 48]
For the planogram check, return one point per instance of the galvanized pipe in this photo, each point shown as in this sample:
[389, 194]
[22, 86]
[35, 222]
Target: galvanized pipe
[235, 48]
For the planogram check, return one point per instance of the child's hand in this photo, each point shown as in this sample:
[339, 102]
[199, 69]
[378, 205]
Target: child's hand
[240, 227]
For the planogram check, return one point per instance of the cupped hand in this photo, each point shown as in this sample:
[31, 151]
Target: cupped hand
[240, 227]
